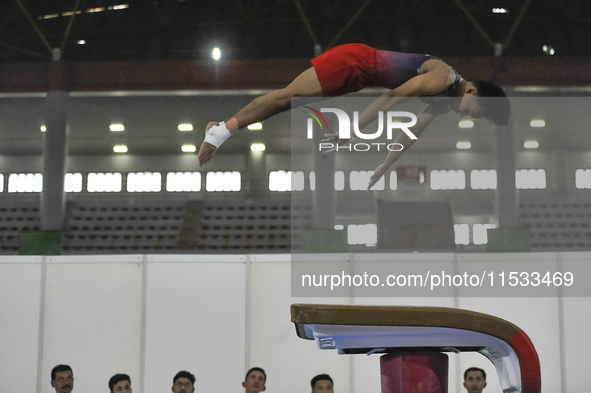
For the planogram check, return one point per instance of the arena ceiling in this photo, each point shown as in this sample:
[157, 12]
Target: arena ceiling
[142, 30]
[145, 30]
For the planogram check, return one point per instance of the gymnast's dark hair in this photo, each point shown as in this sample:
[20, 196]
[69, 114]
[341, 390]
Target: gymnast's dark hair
[255, 369]
[60, 368]
[184, 374]
[497, 108]
[474, 369]
[115, 379]
[320, 377]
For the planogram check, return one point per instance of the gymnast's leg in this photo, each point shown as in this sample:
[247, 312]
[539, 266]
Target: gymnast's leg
[305, 85]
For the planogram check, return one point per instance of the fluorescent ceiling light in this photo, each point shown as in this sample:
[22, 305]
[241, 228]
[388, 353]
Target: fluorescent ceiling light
[185, 127]
[255, 126]
[257, 147]
[117, 127]
[188, 148]
[466, 123]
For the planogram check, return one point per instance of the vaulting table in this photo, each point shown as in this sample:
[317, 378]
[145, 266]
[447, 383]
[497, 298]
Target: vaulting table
[412, 340]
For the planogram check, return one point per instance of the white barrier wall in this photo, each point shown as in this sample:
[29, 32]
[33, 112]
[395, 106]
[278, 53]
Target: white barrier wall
[289, 361]
[20, 308]
[92, 318]
[195, 320]
[151, 316]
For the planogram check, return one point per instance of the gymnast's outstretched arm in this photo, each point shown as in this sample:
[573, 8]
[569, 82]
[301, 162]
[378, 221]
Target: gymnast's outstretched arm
[429, 83]
[425, 117]
[432, 82]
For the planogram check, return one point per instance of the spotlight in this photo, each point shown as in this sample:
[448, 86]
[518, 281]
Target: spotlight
[548, 50]
[216, 53]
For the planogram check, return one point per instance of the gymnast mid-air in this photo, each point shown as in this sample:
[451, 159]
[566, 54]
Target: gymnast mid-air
[351, 67]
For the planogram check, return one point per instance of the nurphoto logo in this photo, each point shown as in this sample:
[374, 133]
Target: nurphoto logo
[346, 128]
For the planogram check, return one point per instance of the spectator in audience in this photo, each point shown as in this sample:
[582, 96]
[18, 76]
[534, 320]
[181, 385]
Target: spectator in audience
[255, 380]
[322, 383]
[183, 382]
[120, 383]
[474, 380]
[62, 378]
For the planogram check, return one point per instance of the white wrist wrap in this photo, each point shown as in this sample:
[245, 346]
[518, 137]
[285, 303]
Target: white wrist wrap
[216, 135]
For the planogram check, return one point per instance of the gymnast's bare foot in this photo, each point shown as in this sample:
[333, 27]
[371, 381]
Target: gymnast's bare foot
[206, 151]
[215, 134]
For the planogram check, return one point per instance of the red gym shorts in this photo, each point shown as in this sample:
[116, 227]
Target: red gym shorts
[345, 69]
